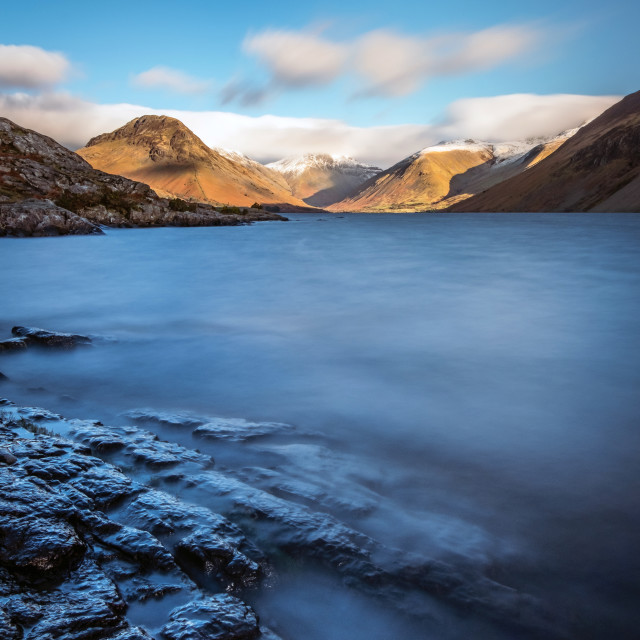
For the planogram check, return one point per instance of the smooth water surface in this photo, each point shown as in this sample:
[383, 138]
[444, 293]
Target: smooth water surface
[482, 372]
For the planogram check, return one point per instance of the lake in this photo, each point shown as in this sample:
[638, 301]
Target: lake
[470, 384]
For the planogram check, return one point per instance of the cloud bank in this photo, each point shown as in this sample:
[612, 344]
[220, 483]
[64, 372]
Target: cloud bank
[73, 121]
[27, 67]
[384, 62]
[170, 80]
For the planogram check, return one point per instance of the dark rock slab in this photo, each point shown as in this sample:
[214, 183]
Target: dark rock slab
[45, 338]
[214, 555]
[220, 617]
[13, 344]
[39, 548]
[6, 457]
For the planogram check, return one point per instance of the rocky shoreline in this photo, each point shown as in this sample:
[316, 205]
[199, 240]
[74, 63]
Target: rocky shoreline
[47, 190]
[98, 522]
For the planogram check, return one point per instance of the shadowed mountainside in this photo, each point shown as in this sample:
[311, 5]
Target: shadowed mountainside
[597, 170]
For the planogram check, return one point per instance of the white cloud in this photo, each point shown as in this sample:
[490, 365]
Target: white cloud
[73, 121]
[27, 67]
[385, 62]
[520, 115]
[297, 58]
[171, 80]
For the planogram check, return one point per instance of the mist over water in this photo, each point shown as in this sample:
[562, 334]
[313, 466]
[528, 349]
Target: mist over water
[473, 380]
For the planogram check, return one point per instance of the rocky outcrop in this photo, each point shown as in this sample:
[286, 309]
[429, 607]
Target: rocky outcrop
[32, 217]
[70, 571]
[25, 337]
[46, 190]
[81, 521]
[597, 170]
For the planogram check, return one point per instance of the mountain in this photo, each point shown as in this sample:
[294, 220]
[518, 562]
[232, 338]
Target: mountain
[322, 179]
[45, 189]
[448, 172]
[597, 170]
[163, 153]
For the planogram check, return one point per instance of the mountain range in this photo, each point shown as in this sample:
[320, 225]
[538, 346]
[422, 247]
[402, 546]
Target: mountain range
[323, 179]
[136, 175]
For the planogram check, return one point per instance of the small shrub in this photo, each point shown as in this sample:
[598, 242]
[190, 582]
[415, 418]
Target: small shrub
[256, 205]
[230, 210]
[178, 204]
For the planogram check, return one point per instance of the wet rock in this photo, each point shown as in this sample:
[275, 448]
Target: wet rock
[13, 344]
[39, 548]
[238, 430]
[104, 484]
[8, 630]
[6, 457]
[133, 633]
[151, 416]
[232, 429]
[220, 617]
[141, 589]
[3, 377]
[214, 555]
[142, 547]
[44, 338]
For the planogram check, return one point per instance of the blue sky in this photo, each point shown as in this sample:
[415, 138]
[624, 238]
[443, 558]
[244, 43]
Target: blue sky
[585, 48]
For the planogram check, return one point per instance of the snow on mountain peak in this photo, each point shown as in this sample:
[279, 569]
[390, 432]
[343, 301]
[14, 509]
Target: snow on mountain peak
[296, 165]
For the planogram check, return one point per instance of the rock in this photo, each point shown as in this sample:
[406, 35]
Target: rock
[238, 430]
[220, 617]
[13, 344]
[42, 337]
[39, 548]
[142, 547]
[34, 217]
[143, 416]
[7, 457]
[214, 555]
[3, 377]
[8, 630]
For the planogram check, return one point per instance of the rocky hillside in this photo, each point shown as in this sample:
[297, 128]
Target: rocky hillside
[45, 189]
[163, 153]
[323, 179]
[441, 175]
[597, 170]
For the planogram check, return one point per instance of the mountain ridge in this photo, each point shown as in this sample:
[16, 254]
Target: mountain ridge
[163, 153]
[321, 179]
[450, 171]
[598, 169]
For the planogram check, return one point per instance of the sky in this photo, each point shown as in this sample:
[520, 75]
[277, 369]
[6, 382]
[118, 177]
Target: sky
[375, 80]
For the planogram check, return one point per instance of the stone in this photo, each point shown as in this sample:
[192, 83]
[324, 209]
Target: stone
[219, 617]
[7, 457]
[44, 338]
[13, 344]
[215, 555]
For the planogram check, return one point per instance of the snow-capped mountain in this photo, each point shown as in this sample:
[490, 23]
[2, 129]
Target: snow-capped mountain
[440, 175]
[322, 179]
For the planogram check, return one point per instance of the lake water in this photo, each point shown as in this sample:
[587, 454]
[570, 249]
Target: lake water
[476, 379]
